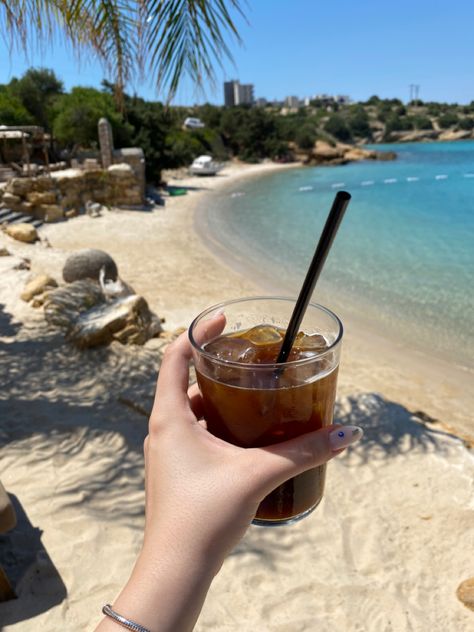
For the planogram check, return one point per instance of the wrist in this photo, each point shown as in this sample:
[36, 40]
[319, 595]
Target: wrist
[166, 589]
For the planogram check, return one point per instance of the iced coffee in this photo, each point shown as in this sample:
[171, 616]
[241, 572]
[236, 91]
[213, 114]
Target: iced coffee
[252, 401]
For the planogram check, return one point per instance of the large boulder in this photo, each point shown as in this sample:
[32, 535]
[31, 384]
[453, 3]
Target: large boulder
[22, 232]
[51, 212]
[127, 319]
[38, 285]
[88, 319]
[87, 264]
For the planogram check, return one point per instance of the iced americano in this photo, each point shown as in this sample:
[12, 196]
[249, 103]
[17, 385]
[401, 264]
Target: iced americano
[250, 401]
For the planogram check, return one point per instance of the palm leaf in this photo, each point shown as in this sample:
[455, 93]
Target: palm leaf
[164, 38]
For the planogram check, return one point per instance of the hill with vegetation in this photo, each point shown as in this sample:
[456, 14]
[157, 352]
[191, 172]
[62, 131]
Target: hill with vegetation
[248, 133]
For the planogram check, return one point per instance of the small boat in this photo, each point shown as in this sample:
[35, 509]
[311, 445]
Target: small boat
[205, 166]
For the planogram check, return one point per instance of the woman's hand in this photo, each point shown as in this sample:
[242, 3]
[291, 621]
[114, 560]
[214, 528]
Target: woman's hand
[201, 486]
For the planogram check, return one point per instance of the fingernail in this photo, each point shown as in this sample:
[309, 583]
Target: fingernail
[344, 436]
[219, 312]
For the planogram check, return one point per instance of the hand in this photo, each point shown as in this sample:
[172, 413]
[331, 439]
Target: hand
[200, 486]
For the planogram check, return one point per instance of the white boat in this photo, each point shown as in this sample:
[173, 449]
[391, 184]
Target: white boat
[205, 166]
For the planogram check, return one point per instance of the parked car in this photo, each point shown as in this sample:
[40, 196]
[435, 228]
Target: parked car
[193, 123]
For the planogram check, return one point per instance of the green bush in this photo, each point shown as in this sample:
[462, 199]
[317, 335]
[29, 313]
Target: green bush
[466, 123]
[422, 122]
[337, 127]
[449, 119]
[359, 123]
[305, 137]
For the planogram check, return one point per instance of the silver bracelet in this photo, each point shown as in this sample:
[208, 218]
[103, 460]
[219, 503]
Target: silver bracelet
[126, 623]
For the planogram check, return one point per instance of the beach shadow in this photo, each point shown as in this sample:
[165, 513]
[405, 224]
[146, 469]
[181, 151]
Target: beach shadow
[7, 326]
[33, 575]
[172, 189]
[390, 429]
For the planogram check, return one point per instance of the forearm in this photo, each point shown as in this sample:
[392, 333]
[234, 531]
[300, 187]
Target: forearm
[166, 592]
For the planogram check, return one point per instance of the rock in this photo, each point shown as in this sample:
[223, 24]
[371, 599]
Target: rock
[24, 264]
[20, 186]
[37, 286]
[71, 213]
[37, 198]
[22, 232]
[88, 320]
[465, 593]
[39, 300]
[126, 319]
[451, 134]
[4, 252]
[52, 212]
[122, 169]
[326, 151]
[87, 264]
[64, 305]
[11, 201]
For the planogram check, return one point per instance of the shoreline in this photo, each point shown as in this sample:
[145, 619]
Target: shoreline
[435, 385]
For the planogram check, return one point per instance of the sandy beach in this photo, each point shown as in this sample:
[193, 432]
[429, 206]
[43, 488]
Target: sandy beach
[386, 549]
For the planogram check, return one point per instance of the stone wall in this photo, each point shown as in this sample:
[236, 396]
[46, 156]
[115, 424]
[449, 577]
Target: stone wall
[50, 197]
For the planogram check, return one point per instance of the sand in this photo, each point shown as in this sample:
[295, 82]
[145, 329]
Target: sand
[386, 549]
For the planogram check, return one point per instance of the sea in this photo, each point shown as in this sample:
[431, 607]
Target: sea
[403, 259]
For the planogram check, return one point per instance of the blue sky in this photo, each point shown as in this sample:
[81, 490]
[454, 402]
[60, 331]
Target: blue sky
[304, 47]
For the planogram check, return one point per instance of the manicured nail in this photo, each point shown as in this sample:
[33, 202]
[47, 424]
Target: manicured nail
[344, 436]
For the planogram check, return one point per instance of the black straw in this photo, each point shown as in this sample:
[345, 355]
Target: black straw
[322, 250]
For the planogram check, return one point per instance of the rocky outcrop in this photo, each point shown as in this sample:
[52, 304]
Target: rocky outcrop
[324, 153]
[88, 319]
[87, 264]
[450, 134]
[22, 232]
[127, 319]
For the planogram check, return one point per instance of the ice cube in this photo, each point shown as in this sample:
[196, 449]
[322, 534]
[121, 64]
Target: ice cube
[231, 349]
[263, 335]
[310, 342]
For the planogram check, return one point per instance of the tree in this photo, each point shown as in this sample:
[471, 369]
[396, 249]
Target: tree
[77, 114]
[37, 90]
[337, 127]
[12, 110]
[165, 39]
[359, 123]
[448, 120]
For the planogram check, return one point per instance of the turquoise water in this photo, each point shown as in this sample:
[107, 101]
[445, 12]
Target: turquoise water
[404, 256]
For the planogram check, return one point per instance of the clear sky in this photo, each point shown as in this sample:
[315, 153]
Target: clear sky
[305, 47]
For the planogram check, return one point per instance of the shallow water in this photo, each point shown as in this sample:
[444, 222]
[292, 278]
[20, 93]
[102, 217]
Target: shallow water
[404, 256]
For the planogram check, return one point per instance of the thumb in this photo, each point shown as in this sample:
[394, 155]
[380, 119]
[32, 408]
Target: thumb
[277, 463]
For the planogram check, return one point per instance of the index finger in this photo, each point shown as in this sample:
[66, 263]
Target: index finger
[173, 378]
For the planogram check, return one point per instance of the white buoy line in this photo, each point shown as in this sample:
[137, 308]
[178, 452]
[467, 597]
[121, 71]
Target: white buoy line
[369, 183]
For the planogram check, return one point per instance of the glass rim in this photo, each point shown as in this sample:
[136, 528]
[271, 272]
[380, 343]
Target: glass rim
[264, 367]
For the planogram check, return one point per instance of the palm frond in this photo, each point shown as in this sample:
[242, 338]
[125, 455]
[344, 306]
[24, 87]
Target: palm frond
[164, 38]
[188, 37]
